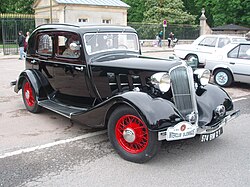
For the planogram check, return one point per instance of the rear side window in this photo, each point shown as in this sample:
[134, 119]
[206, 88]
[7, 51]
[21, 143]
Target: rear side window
[244, 52]
[223, 41]
[209, 41]
[233, 53]
[68, 45]
[241, 51]
[45, 44]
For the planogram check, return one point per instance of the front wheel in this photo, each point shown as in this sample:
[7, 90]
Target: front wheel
[29, 97]
[223, 77]
[130, 136]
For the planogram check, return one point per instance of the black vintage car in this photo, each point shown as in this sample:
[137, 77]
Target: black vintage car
[96, 75]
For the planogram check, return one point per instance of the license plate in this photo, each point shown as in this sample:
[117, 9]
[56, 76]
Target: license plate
[211, 136]
[182, 130]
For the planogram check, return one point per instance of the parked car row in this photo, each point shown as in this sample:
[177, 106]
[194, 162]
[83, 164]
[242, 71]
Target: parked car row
[97, 76]
[227, 57]
[204, 46]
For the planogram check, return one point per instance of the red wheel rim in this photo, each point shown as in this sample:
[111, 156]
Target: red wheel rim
[28, 94]
[137, 132]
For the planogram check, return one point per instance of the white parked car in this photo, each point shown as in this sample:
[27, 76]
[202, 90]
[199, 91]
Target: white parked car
[204, 46]
[230, 64]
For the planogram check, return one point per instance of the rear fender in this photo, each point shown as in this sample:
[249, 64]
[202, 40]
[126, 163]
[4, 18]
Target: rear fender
[38, 82]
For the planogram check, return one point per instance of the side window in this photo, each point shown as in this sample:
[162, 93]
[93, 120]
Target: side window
[45, 44]
[222, 42]
[233, 53]
[244, 52]
[209, 41]
[68, 45]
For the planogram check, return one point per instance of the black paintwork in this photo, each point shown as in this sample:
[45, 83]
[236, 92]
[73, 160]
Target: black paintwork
[98, 84]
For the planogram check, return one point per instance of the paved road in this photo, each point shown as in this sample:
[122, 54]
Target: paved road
[48, 150]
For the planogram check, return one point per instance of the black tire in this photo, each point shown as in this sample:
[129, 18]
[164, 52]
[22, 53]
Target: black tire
[145, 144]
[29, 97]
[223, 77]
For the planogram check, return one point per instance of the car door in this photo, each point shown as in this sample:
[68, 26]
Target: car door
[239, 61]
[69, 68]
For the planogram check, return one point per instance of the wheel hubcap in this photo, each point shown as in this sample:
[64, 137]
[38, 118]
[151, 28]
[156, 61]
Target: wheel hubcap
[132, 134]
[221, 78]
[129, 135]
[28, 95]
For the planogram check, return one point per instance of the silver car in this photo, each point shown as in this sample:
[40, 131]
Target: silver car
[230, 64]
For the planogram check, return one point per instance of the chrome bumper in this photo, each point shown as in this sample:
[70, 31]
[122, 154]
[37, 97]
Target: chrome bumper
[192, 130]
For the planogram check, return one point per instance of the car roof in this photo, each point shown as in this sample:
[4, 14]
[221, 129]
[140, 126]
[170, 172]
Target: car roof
[223, 35]
[85, 28]
[234, 44]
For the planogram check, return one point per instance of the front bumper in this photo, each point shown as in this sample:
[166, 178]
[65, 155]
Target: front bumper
[184, 129]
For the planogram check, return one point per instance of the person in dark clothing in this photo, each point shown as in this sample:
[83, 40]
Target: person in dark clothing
[21, 40]
[170, 38]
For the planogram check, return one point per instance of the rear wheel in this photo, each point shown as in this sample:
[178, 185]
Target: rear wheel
[223, 77]
[193, 58]
[29, 97]
[130, 136]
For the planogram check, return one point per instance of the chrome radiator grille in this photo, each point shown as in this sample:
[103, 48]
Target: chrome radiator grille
[181, 89]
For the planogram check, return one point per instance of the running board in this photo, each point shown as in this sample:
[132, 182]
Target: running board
[60, 108]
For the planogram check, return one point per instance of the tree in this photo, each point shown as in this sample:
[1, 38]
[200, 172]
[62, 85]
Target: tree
[20, 6]
[220, 12]
[136, 10]
[171, 10]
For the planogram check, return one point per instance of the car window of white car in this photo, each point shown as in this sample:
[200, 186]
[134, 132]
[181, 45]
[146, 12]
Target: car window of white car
[233, 53]
[244, 51]
[209, 41]
[241, 51]
[223, 41]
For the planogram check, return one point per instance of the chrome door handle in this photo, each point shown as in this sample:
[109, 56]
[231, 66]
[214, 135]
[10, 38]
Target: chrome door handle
[79, 68]
[32, 61]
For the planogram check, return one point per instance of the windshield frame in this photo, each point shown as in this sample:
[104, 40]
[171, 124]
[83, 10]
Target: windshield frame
[110, 36]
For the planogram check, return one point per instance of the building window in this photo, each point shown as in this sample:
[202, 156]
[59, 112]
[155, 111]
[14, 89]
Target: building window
[106, 21]
[82, 20]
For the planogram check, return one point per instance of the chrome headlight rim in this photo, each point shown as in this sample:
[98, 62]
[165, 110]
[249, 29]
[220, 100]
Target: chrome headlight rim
[203, 76]
[161, 81]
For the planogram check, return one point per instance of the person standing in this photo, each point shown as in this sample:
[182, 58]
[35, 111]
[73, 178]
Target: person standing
[160, 38]
[21, 40]
[170, 38]
[26, 41]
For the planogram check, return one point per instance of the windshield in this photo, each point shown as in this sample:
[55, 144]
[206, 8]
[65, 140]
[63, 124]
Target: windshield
[99, 42]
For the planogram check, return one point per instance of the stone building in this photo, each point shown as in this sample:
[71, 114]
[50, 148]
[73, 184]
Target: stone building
[81, 11]
[231, 29]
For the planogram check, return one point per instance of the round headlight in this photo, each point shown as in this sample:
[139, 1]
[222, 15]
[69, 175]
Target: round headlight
[162, 80]
[203, 76]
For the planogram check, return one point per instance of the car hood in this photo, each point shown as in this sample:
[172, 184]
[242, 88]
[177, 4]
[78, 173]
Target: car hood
[140, 63]
[183, 47]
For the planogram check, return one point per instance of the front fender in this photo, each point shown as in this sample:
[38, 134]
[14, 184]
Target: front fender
[38, 82]
[208, 99]
[157, 113]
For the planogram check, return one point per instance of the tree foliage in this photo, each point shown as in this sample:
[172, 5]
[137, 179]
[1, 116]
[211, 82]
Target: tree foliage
[221, 12]
[136, 10]
[218, 12]
[19, 6]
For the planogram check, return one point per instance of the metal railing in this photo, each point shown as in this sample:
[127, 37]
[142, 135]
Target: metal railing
[150, 30]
